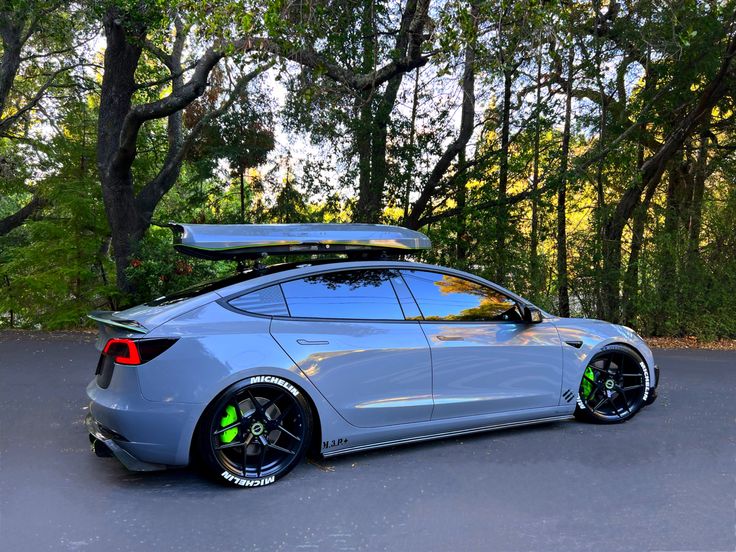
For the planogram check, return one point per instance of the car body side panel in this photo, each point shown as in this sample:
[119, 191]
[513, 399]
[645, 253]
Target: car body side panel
[373, 373]
[491, 367]
[366, 438]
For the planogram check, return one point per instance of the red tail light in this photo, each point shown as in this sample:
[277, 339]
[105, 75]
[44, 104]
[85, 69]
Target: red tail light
[135, 351]
[123, 351]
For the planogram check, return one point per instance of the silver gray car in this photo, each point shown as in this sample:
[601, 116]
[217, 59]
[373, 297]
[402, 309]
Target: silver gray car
[248, 374]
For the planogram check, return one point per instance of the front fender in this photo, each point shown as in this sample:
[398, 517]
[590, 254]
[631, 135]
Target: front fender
[583, 338]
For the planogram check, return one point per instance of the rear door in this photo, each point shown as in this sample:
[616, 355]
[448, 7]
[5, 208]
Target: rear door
[347, 331]
[485, 360]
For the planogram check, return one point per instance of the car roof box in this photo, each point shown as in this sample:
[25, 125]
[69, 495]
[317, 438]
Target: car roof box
[253, 241]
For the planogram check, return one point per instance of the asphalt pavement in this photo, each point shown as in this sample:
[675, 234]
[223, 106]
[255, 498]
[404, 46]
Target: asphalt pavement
[663, 481]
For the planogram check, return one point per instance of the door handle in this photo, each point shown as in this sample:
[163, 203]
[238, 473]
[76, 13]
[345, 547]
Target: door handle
[310, 342]
[450, 338]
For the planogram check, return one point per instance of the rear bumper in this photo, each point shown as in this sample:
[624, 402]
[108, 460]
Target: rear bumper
[103, 444]
[138, 432]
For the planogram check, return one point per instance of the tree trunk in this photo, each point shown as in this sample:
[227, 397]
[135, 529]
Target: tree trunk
[563, 294]
[503, 179]
[412, 137]
[118, 86]
[461, 238]
[631, 278]
[365, 210]
[534, 268]
[241, 170]
[696, 206]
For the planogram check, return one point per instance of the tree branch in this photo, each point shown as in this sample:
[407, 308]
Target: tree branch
[30, 104]
[466, 131]
[151, 194]
[21, 215]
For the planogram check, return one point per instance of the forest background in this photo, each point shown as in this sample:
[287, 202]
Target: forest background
[580, 153]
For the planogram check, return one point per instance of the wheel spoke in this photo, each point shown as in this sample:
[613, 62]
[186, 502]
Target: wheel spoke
[254, 402]
[613, 404]
[607, 365]
[600, 403]
[632, 387]
[594, 391]
[282, 449]
[245, 454]
[227, 428]
[633, 375]
[596, 369]
[270, 403]
[230, 445]
[626, 399]
[284, 413]
[261, 458]
[289, 433]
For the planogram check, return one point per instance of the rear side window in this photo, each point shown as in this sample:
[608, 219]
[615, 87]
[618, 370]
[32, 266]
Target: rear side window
[350, 294]
[445, 297]
[267, 301]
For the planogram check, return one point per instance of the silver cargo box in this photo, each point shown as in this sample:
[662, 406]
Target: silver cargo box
[244, 241]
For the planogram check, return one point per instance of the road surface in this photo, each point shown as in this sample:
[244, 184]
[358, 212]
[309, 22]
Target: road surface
[663, 481]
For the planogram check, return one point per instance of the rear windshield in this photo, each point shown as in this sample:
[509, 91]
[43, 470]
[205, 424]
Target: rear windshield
[204, 287]
[214, 285]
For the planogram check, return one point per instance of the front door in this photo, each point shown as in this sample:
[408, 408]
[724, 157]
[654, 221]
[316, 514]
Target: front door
[485, 359]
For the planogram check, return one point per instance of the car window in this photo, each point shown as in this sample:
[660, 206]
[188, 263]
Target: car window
[353, 294]
[446, 297]
[408, 305]
[267, 301]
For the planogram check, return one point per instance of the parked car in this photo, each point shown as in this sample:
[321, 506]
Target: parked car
[339, 355]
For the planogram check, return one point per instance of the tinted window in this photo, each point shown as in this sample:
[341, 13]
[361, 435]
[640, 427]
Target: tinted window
[408, 305]
[357, 294]
[269, 301]
[445, 297]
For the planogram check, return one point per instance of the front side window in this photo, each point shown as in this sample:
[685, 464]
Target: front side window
[445, 297]
[350, 294]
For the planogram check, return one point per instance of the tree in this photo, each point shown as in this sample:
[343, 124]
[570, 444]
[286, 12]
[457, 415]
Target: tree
[129, 206]
[38, 39]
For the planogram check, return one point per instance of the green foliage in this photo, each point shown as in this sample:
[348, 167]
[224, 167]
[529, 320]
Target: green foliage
[638, 69]
[156, 268]
[53, 270]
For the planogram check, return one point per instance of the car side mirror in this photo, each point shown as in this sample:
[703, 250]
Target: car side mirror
[532, 315]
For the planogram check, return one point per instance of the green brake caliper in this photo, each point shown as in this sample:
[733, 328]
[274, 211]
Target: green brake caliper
[587, 385]
[229, 418]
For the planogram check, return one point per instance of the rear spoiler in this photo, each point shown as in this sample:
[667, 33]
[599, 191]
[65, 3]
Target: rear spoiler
[108, 318]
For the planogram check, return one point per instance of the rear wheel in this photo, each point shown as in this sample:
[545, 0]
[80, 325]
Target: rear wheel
[255, 434]
[615, 386]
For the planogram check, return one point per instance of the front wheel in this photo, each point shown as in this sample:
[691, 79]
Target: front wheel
[615, 386]
[255, 433]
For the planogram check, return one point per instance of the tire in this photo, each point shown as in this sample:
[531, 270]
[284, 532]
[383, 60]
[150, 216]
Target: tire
[614, 387]
[255, 432]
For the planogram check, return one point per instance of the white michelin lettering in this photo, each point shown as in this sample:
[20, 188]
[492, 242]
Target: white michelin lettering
[646, 381]
[277, 381]
[248, 482]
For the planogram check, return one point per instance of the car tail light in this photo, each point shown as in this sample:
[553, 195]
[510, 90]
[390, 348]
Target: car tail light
[135, 351]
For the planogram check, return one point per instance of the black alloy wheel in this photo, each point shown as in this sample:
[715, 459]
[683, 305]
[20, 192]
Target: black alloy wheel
[615, 386]
[255, 434]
